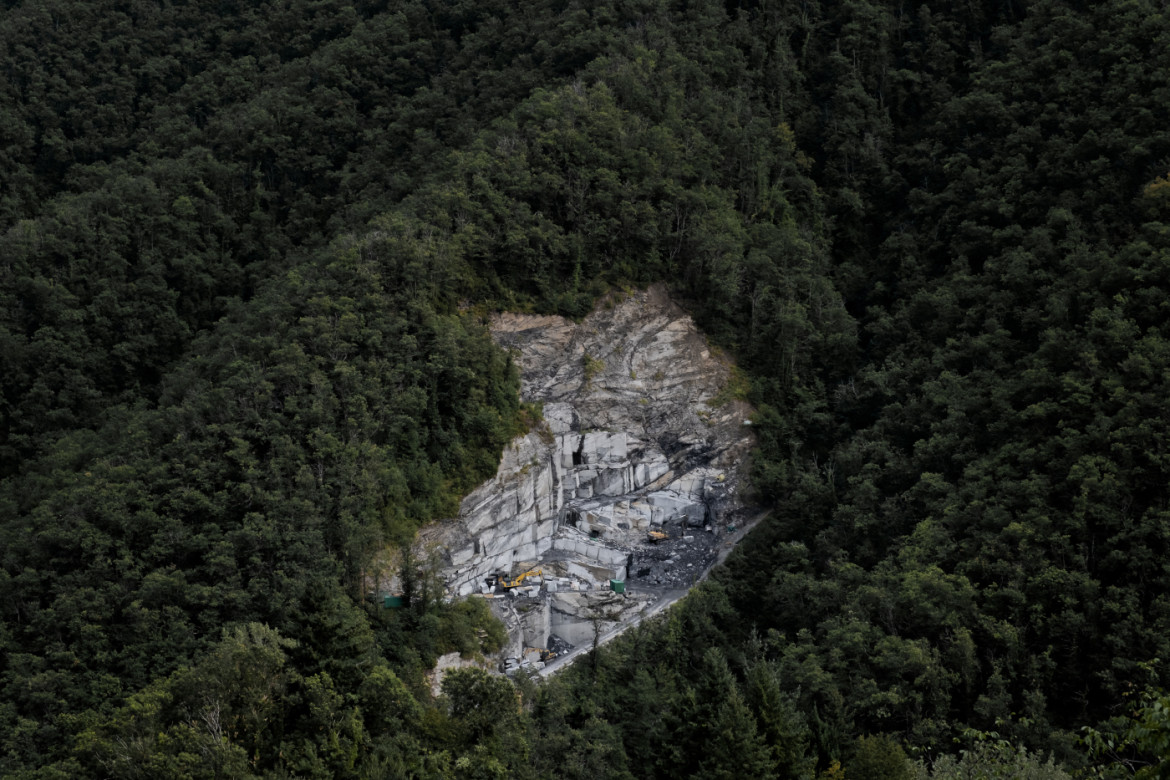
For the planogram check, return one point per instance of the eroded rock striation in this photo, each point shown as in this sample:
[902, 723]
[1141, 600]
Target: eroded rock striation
[636, 438]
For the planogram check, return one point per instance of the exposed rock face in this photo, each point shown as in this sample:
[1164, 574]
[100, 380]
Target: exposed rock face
[630, 444]
[528, 623]
[575, 618]
[508, 519]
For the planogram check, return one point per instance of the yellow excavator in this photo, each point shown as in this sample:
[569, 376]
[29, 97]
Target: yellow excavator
[504, 582]
[658, 536]
[545, 655]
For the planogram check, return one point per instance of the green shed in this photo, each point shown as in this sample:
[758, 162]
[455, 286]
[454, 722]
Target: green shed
[392, 602]
[617, 586]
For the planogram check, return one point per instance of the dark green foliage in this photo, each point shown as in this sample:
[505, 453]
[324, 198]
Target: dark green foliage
[161, 162]
[880, 758]
[1137, 742]
[995, 761]
[245, 251]
[968, 514]
[334, 412]
[482, 703]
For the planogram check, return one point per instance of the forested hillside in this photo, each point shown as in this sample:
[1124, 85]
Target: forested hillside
[247, 254]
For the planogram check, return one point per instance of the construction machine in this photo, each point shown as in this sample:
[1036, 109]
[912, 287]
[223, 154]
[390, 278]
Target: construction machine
[500, 580]
[658, 536]
[545, 655]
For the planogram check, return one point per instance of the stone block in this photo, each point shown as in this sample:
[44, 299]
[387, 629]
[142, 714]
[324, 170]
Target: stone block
[671, 504]
[612, 557]
[583, 572]
[641, 475]
[526, 495]
[494, 545]
[640, 509]
[611, 482]
[567, 445]
[575, 632]
[696, 514]
[601, 514]
[542, 480]
[603, 447]
[462, 556]
[561, 418]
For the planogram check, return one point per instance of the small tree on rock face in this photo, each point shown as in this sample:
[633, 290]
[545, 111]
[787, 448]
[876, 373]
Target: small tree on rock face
[591, 367]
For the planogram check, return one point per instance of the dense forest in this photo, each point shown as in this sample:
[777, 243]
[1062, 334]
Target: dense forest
[246, 254]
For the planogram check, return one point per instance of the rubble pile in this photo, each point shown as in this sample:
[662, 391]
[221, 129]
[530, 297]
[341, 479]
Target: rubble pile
[675, 563]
